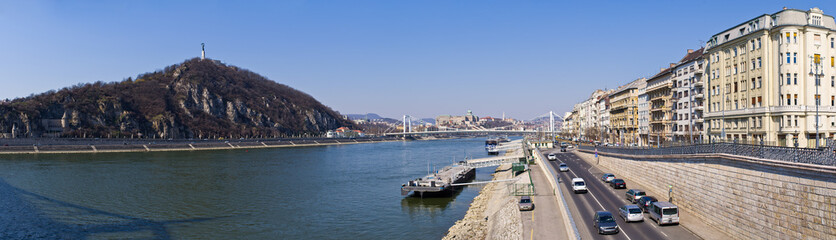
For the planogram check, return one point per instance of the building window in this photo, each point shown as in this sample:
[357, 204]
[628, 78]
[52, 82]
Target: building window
[794, 57]
[753, 83]
[795, 79]
[795, 97]
[760, 82]
[788, 38]
[818, 100]
[832, 100]
[832, 81]
[788, 58]
[780, 79]
[789, 100]
[759, 43]
[780, 99]
[832, 41]
[831, 61]
[760, 101]
[759, 62]
[794, 37]
[789, 79]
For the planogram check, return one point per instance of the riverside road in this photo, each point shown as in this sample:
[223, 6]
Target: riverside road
[603, 197]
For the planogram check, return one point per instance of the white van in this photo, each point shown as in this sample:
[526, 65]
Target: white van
[578, 185]
[664, 213]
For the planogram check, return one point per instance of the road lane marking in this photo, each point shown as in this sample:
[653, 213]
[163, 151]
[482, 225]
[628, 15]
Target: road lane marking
[599, 203]
[532, 234]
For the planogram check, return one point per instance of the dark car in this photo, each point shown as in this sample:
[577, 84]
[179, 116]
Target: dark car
[634, 194]
[618, 183]
[645, 202]
[605, 222]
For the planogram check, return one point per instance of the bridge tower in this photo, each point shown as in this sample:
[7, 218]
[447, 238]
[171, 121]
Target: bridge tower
[202, 51]
[551, 122]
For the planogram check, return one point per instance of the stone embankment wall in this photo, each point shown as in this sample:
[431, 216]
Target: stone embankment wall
[493, 214]
[745, 200]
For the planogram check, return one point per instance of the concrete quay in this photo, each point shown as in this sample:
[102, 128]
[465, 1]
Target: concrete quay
[493, 214]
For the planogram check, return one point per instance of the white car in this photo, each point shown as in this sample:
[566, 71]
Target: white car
[631, 213]
[563, 167]
[578, 185]
[552, 156]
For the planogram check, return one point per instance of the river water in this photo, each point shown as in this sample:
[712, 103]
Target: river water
[328, 192]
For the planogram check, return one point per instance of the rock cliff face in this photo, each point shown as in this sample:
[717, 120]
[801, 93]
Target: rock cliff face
[194, 99]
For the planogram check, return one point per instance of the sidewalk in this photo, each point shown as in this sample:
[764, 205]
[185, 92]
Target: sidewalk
[544, 221]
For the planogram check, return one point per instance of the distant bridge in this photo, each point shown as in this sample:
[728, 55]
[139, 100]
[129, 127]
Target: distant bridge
[462, 132]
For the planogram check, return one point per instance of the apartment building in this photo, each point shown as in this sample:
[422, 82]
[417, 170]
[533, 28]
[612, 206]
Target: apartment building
[659, 95]
[768, 76]
[687, 96]
[644, 115]
[624, 113]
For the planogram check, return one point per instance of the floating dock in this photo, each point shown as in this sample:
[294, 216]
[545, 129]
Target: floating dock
[440, 183]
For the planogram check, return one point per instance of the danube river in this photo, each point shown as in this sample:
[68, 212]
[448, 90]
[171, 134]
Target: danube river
[329, 192]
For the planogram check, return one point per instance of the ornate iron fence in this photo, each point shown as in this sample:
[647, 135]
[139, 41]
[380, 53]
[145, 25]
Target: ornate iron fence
[820, 156]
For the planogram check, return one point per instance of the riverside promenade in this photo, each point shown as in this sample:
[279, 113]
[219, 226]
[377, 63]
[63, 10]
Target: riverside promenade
[63, 146]
[494, 213]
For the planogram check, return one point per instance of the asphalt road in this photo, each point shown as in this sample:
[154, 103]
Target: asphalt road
[602, 197]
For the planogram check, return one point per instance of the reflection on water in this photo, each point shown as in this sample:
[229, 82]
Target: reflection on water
[27, 215]
[334, 192]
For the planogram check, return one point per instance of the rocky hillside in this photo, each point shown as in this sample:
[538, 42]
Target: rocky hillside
[194, 99]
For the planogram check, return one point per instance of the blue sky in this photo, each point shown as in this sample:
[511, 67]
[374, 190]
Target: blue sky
[422, 58]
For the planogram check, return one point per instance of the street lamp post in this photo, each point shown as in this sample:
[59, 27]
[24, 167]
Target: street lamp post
[723, 124]
[817, 64]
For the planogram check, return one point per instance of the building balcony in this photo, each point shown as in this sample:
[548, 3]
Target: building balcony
[617, 108]
[698, 84]
[660, 109]
[774, 110]
[698, 108]
[698, 120]
[699, 96]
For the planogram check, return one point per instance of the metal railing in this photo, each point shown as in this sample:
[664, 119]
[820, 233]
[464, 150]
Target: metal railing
[820, 156]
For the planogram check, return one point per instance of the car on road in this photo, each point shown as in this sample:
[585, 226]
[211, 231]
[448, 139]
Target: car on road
[634, 194]
[664, 213]
[607, 177]
[618, 183]
[605, 223]
[644, 202]
[563, 148]
[631, 213]
[552, 157]
[563, 167]
[526, 204]
[578, 185]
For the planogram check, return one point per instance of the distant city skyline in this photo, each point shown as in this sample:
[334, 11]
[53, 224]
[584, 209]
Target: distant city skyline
[422, 59]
